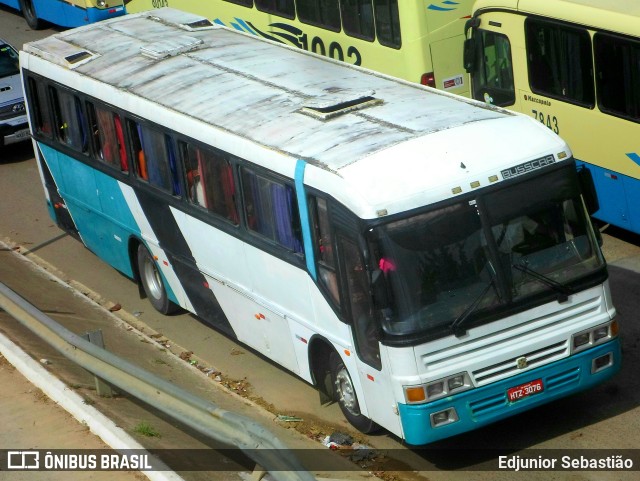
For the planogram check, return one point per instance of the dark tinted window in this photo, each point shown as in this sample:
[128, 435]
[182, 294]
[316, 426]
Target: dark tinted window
[324, 13]
[357, 18]
[8, 61]
[284, 8]
[559, 61]
[246, 3]
[618, 75]
[387, 22]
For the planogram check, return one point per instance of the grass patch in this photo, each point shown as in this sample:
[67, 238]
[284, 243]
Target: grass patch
[145, 429]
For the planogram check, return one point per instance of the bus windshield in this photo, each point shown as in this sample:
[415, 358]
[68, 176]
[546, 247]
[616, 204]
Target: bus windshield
[464, 263]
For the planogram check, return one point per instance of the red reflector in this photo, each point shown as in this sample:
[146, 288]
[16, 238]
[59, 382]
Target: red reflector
[428, 79]
[370, 377]
[205, 284]
[113, 10]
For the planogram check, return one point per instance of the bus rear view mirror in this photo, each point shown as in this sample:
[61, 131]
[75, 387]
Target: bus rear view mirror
[469, 55]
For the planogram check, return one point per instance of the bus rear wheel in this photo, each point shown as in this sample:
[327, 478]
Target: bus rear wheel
[30, 15]
[345, 394]
[152, 282]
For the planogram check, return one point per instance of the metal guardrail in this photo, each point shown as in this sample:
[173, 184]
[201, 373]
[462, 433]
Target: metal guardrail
[204, 416]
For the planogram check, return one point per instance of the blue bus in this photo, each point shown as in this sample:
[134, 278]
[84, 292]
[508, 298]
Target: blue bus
[67, 13]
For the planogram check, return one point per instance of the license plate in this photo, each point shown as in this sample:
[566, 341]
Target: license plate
[22, 133]
[524, 390]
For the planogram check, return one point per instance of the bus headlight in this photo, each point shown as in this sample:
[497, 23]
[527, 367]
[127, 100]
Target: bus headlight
[437, 389]
[101, 3]
[441, 418]
[591, 337]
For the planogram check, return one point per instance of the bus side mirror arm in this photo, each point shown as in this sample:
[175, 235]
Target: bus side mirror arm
[469, 52]
[469, 55]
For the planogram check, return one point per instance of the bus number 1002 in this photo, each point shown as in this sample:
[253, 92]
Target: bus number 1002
[335, 49]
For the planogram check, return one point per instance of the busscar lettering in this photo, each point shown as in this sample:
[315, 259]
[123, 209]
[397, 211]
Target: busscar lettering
[527, 167]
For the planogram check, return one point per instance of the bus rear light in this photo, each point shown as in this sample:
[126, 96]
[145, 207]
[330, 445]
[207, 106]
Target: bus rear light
[597, 335]
[442, 418]
[428, 79]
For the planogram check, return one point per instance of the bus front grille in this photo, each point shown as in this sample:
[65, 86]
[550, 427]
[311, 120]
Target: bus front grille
[516, 365]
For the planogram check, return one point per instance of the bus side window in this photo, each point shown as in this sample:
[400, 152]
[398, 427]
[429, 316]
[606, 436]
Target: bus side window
[244, 3]
[387, 23]
[560, 62]
[618, 75]
[357, 18]
[71, 128]
[153, 151]
[40, 107]
[106, 144]
[271, 210]
[325, 254]
[210, 181]
[284, 8]
[323, 13]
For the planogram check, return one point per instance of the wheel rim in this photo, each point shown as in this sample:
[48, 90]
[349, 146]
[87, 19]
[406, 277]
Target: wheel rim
[346, 393]
[151, 278]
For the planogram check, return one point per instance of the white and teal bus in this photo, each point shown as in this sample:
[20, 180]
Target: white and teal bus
[425, 260]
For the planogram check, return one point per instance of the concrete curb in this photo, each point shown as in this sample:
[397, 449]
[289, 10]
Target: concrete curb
[71, 402]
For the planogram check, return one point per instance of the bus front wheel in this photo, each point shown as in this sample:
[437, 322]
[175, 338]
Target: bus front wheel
[345, 394]
[30, 15]
[152, 282]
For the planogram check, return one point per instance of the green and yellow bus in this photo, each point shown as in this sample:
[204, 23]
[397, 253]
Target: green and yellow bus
[575, 66]
[419, 41]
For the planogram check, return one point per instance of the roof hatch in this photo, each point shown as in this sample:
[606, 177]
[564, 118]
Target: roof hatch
[170, 47]
[326, 107]
[61, 52]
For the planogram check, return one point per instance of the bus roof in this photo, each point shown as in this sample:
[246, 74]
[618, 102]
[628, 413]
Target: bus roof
[619, 16]
[344, 120]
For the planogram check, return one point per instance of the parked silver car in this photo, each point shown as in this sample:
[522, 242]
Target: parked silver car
[13, 116]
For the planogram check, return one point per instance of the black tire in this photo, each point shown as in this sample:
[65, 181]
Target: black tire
[345, 395]
[30, 15]
[152, 283]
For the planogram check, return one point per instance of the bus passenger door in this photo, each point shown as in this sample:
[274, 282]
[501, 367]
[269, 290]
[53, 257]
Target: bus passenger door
[495, 59]
[378, 395]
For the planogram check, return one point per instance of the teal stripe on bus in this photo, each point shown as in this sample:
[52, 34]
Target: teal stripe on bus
[304, 219]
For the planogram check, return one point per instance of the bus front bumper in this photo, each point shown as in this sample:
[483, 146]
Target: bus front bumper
[482, 406]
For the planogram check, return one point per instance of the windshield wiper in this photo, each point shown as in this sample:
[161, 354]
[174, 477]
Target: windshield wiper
[563, 291]
[456, 325]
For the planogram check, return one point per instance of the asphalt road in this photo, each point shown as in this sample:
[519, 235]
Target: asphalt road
[603, 418]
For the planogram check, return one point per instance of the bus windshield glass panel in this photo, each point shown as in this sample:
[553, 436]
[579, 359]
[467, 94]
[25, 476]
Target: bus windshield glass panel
[465, 262]
[8, 61]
